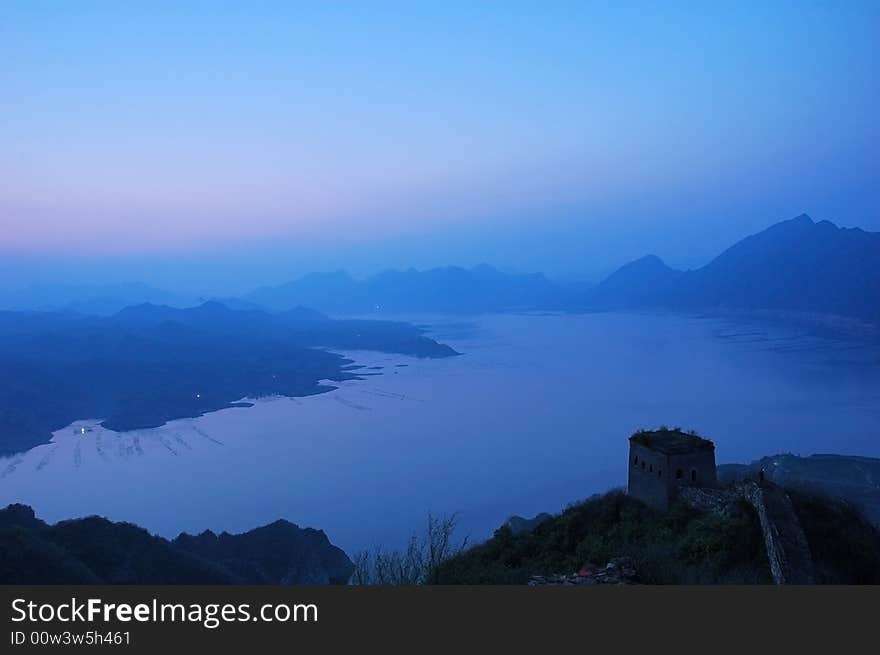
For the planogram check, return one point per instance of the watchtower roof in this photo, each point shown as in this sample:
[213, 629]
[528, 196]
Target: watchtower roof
[671, 442]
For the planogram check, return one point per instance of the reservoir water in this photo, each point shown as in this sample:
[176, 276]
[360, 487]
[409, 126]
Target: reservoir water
[534, 414]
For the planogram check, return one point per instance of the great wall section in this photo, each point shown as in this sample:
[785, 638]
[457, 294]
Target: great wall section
[784, 538]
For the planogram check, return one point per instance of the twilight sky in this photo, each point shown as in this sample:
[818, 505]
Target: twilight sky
[232, 144]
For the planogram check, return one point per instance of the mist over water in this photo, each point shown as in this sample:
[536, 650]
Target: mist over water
[533, 415]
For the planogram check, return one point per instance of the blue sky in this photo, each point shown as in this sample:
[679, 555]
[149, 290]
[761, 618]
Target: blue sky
[229, 144]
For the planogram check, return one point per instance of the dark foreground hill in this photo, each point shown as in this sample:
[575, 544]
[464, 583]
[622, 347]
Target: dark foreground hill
[796, 266]
[94, 550]
[150, 364]
[683, 546]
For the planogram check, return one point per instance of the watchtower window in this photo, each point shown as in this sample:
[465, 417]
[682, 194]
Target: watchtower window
[643, 465]
[651, 468]
[693, 475]
[659, 473]
[678, 474]
[635, 460]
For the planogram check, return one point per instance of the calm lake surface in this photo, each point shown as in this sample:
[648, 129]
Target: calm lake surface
[534, 414]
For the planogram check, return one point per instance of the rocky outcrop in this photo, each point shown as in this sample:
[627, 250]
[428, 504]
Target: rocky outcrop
[278, 553]
[519, 524]
[784, 538]
[618, 571]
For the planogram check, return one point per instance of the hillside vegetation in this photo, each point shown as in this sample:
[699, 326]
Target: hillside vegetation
[682, 546]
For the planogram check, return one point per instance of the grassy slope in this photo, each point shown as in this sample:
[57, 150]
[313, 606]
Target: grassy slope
[683, 546]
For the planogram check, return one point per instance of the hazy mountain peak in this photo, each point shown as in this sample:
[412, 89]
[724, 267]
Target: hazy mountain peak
[444, 289]
[339, 274]
[214, 306]
[648, 261]
[140, 308]
[647, 265]
[796, 265]
[799, 224]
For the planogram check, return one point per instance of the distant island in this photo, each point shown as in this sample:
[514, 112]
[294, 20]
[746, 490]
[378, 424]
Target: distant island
[150, 364]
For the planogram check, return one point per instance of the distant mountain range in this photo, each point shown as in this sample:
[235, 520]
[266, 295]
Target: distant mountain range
[94, 299]
[795, 266]
[449, 290]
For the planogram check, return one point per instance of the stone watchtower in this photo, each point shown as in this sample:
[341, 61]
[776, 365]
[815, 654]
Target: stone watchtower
[663, 460]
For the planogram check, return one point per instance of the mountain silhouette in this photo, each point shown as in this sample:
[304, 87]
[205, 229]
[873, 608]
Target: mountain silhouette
[797, 265]
[449, 289]
[94, 550]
